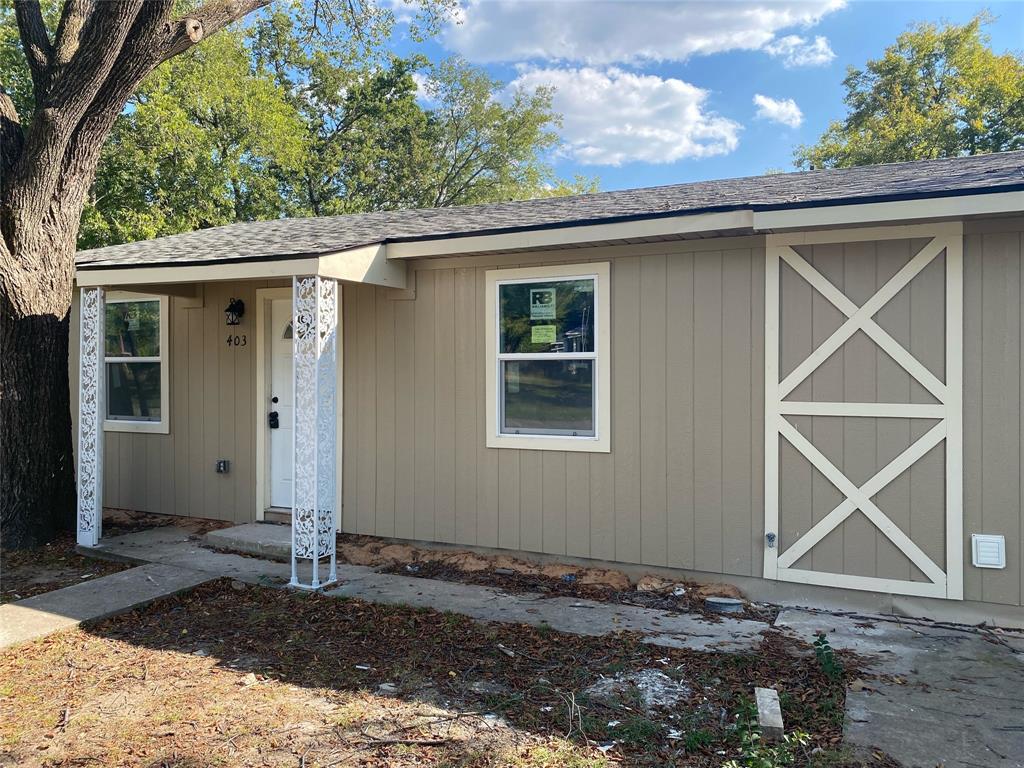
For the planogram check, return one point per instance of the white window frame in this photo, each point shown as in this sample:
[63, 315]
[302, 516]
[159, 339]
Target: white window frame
[131, 425]
[600, 441]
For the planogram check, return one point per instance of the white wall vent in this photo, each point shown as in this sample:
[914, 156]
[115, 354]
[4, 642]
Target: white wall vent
[988, 550]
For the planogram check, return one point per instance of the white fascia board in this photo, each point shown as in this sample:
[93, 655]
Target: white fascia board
[196, 273]
[366, 264]
[900, 210]
[570, 235]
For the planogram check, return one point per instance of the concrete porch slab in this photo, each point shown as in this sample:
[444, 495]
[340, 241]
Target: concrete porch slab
[273, 542]
[38, 616]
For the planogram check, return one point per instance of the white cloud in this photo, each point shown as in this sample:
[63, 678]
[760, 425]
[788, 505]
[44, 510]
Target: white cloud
[796, 51]
[609, 32]
[611, 117]
[783, 111]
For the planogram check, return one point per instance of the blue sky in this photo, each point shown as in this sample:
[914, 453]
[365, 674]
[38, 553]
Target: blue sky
[663, 92]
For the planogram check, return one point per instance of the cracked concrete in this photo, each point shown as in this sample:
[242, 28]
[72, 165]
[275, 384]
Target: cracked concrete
[951, 697]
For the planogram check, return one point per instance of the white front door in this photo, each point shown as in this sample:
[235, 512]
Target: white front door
[281, 401]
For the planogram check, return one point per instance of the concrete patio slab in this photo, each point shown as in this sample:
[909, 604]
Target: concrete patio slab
[38, 616]
[952, 697]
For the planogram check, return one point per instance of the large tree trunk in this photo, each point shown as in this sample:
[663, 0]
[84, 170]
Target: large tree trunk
[37, 484]
[81, 80]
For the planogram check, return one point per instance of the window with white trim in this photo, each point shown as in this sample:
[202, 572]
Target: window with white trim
[547, 357]
[135, 350]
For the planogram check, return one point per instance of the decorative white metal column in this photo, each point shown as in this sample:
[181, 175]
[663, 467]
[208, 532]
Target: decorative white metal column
[315, 309]
[91, 409]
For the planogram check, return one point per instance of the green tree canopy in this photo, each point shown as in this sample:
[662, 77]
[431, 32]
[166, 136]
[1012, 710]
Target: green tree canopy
[260, 123]
[937, 92]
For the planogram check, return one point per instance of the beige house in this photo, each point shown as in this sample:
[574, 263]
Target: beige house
[807, 384]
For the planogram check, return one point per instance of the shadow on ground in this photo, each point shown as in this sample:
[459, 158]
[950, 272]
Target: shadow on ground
[235, 674]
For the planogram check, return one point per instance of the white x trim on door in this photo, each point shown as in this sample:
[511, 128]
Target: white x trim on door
[945, 238]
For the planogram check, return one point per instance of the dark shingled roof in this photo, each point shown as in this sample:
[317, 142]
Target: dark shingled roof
[278, 238]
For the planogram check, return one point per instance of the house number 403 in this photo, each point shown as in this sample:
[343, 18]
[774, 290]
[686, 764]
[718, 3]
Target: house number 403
[237, 341]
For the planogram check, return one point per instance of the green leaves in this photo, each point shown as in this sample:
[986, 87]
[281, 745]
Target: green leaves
[199, 145]
[271, 122]
[936, 92]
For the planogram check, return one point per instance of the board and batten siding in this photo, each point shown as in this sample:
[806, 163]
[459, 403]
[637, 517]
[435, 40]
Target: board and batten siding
[212, 416]
[682, 486]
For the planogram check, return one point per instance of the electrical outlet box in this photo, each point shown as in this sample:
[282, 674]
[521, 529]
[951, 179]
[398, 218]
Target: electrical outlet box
[988, 550]
[223, 466]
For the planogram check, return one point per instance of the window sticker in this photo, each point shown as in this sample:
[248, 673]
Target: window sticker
[542, 334]
[542, 303]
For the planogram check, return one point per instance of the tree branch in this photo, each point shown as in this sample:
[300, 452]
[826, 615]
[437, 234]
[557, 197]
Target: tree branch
[35, 41]
[69, 30]
[12, 139]
[181, 34]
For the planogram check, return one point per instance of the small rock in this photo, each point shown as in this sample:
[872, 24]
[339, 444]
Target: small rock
[717, 589]
[558, 570]
[249, 679]
[238, 586]
[653, 584]
[200, 652]
[606, 577]
[387, 689]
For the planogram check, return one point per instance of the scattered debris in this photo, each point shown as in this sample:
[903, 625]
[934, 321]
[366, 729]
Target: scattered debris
[656, 689]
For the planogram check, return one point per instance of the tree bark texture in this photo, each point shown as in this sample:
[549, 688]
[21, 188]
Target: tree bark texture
[82, 79]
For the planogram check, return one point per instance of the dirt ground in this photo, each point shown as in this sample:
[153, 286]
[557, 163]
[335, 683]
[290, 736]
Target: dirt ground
[230, 674]
[28, 572]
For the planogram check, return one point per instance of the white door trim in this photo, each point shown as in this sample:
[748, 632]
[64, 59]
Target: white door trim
[947, 237]
[263, 298]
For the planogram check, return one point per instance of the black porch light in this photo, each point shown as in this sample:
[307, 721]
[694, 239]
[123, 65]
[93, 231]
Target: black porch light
[234, 311]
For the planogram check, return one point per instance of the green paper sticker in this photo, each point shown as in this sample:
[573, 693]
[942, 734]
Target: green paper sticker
[542, 334]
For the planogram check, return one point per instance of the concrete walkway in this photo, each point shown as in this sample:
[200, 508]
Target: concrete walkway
[38, 616]
[171, 546]
[948, 696]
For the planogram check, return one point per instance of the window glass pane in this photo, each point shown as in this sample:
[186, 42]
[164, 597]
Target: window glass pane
[133, 391]
[133, 329]
[554, 397]
[547, 316]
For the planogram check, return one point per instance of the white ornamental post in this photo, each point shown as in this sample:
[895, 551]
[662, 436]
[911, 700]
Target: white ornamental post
[91, 411]
[315, 324]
